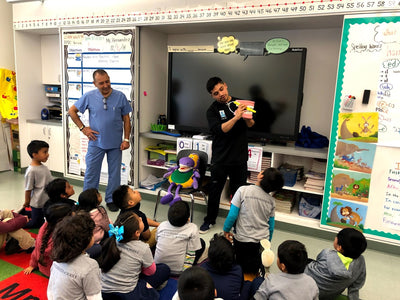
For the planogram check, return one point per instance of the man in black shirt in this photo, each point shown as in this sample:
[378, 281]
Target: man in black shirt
[229, 147]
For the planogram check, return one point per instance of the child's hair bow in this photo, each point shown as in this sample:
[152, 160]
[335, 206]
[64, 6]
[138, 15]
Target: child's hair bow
[117, 231]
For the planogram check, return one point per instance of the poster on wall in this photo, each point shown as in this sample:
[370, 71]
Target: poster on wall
[354, 156]
[363, 167]
[85, 52]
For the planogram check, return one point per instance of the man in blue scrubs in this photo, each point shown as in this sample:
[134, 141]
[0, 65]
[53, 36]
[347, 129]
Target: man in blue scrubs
[108, 132]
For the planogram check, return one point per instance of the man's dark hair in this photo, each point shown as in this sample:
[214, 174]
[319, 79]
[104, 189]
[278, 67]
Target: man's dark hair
[293, 255]
[195, 283]
[100, 72]
[71, 236]
[272, 180]
[212, 82]
[35, 146]
[221, 254]
[352, 241]
[120, 196]
[178, 213]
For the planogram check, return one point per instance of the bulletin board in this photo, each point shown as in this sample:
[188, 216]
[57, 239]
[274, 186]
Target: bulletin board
[362, 186]
[85, 52]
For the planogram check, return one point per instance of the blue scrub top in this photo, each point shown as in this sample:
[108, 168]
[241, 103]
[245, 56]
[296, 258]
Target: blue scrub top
[108, 122]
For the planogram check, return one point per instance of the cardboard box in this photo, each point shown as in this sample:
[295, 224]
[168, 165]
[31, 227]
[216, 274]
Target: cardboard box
[183, 143]
[205, 146]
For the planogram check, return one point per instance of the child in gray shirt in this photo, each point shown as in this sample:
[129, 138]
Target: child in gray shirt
[37, 176]
[74, 275]
[253, 209]
[341, 268]
[291, 283]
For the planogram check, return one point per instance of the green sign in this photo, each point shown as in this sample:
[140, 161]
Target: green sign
[277, 45]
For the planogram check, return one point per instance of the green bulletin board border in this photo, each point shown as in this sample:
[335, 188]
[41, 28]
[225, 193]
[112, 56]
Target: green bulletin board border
[335, 118]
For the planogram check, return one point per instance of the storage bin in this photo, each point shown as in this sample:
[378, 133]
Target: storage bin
[310, 206]
[289, 176]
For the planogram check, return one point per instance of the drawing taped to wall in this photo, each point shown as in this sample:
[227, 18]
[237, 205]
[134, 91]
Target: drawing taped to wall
[350, 185]
[361, 127]
[354, 156]
[346, 214]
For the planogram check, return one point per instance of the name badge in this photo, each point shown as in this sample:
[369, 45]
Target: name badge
[222, 114]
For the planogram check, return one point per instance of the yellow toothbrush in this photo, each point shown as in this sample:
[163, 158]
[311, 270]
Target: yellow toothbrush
[248, 108]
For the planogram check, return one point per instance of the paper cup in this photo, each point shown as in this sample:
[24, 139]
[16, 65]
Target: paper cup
[247, 114]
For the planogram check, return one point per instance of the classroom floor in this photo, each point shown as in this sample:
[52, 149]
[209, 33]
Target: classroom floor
[383, 268]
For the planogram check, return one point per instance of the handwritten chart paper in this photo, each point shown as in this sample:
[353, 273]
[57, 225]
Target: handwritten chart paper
[388, 91]
[369, 60]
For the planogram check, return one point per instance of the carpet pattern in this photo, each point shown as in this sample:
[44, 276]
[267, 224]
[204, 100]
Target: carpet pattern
[15, 285]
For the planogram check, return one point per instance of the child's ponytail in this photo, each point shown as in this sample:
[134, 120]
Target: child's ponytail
[53, 214]
[126, 226]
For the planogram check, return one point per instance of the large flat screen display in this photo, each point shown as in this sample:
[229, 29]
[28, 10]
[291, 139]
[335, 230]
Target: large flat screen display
[274, 82]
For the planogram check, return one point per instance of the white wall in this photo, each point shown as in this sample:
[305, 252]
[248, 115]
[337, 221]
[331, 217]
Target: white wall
[6, 36]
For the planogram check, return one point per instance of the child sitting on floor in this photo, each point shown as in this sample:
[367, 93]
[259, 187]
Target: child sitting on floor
[40, 257]
[73, 274]
[195, 284]
[89, 201]
[178, 242]
[341, 268]
[127, 199]
[127, 263]
[226, 274]
[291, 283]
[59, 190]
[11, 231]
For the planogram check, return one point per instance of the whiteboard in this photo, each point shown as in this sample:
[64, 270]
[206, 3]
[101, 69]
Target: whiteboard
[85, 52]
[369, 60]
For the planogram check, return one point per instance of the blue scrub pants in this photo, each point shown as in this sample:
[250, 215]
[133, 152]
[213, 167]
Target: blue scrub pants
[94, 159]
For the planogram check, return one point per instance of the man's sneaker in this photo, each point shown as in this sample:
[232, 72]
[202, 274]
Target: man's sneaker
[112, 207]
[205, 227]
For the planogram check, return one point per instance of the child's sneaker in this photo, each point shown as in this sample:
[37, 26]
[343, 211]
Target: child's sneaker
[205, 227]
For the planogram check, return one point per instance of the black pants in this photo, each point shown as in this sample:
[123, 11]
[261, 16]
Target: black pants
[219, 173]
[248, 256]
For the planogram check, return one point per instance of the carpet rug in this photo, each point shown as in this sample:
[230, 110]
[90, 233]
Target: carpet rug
[15, 285]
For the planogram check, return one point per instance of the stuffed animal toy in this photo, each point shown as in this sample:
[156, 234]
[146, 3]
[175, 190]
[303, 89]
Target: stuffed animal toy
[267, 256]
[185, 175]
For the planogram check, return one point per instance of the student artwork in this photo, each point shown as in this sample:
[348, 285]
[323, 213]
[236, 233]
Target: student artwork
[185, 175]
[344, 214]
[360, 127]
[8, 94]
[349, 185]
[354, 156]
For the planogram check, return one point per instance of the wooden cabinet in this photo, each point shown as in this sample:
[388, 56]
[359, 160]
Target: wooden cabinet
[51, 60]
[53, 135]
